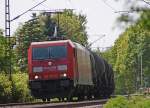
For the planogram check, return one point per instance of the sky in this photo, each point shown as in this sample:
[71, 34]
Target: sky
[100, 15]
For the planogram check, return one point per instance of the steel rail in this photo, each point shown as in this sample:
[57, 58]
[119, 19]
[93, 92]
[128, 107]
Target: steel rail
[54, 105]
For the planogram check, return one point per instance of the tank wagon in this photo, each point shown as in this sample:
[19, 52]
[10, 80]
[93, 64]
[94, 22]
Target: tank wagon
[65, 69]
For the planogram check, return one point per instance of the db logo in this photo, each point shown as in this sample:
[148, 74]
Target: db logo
[49, 63]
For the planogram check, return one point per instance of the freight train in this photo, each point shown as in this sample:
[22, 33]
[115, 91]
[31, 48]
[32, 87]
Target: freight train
[65, 69]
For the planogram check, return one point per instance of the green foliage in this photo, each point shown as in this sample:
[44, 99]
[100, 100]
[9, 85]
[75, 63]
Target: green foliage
[7, 54]
[4, 58]
[125, 56]
[108, 55]
[119, 102]
[131, 45]
[132, 102]
[73, 26]
[20, 89]
[16, 90]
[139, 102]
[5, 89]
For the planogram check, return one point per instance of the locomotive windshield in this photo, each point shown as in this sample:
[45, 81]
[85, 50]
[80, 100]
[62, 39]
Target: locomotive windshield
[40, 53]
[52, 52]
[58, 52]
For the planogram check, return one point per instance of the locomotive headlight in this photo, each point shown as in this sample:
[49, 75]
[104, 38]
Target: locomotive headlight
[36, 77]
[65, 75]
[62, 67]
[37, 69]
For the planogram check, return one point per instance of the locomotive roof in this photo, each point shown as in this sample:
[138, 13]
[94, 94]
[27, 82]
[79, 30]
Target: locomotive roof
[47, 42]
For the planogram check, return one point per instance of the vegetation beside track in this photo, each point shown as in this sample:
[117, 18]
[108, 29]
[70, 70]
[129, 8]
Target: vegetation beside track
[130, 102]
[15, 90]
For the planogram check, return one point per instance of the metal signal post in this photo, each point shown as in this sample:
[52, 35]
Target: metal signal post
[7, 34]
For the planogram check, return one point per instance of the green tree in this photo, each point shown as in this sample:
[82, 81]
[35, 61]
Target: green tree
[73, 26]
[5, 89]
[128, 49]
[4, 58]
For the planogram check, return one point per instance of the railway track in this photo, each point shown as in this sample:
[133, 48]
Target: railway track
[87, 104]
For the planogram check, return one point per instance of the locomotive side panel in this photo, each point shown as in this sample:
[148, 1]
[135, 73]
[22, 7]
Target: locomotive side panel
[83, 65]
[30, 61]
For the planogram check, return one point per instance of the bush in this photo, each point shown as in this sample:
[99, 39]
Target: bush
[139, 102]
[16, 90]
[146, 104]
[133, 102]
[21, 91]
[5, 89]
[119, 102]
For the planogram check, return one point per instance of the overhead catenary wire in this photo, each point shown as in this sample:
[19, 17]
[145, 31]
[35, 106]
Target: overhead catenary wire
[45, 6]
[146, 2]
[101, 49]
[96, 40]
[122, 11]
[112, 8]
[27, 10]
[52, 11]
[67, 2]
[72, 5]
[131, 11]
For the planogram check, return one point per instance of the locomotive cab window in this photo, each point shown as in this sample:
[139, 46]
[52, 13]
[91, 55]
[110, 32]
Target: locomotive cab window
[52, 52]
[40, 53]
[58, 52]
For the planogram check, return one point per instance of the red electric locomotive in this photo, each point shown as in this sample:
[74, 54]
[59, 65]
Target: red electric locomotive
[55, 68]
[65, 69]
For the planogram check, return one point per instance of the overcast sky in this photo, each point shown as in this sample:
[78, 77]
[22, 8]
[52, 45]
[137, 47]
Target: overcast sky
[101, 16]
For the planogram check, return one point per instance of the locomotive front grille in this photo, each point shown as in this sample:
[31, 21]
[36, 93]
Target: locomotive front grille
[50, 85]
[35, 85]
